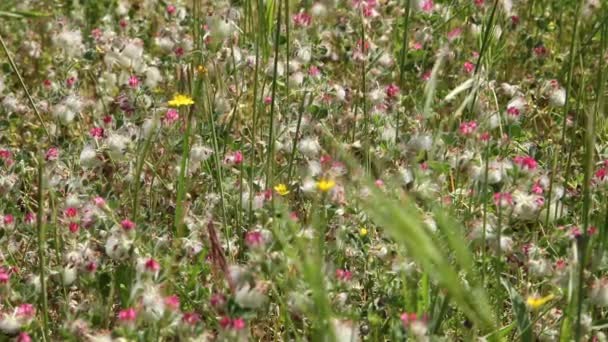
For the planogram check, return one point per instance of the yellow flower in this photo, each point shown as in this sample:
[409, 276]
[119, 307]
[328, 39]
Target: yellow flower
[535, 302]
[281, 189]
[201, 69]
[181, 100]
[363, 232]
[324, 185]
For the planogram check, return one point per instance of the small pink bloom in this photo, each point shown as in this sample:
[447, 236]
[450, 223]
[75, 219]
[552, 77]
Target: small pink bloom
[127, 224]
[485, 137]
[107, 119]
[217, 300]
[513, 111]
[225, 322]
[503, 199]
[70, 212]
[4, 276]
[97, 132]
[313, 71]
[133, 81]
[23, 337]
[52, 154]
[123, 23]
[302, 19]
[8, 219]
[171, 116]
[427, 6]
[537, 189]
[416, 46]
[171, 9]
[179, 51]
[74, 227]
[238, 324]
[526, 163]
[479, 3]
[91, 267]
[540, 51]
[99, 201]
[191, 318]
[455, 33]
[70, 81]
[26, 311]
[238, 157]
[96, 33]
[379, 183]
[152, 265]
[29, 218]
[467, 128]
[127, 315]
[343, 275]
[426, 76]
[172, 302]
[392, 90]
[254, 239]
[268, 100]
[468, 67]
[408, 318]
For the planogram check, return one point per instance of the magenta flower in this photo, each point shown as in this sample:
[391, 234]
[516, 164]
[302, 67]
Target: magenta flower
[127, 315]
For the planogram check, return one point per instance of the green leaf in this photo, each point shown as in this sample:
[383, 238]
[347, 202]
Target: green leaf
[521, 312]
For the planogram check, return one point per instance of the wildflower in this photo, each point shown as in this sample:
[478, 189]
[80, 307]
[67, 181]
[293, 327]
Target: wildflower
[324, 185]
[5, 276]
[133, 81]
[281, 189]
[23, 337]
[503, 199]
[172, 302]
[302, 19]
[526, 163]
[344, 275]
[152, 265]
[201, 69]
[254, 239]
[363, 232]
[127, 315]
[467, 128]
[535, 302]
[392, 90]
[127, 224]
[51, 154]
[468, 67]
[170, 9]
[452, 35]
[180, 100]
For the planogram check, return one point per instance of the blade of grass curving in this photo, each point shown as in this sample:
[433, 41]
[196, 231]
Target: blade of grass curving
[23, 86]
[522, 317]
[41, 227]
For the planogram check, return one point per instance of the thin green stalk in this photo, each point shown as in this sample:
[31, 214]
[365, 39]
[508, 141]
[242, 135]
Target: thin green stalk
[181, 180]
[366, 144]
[483, 196]
[254, 120]
[27, 92]
[141, 157]
[484, 46]
[42, 250]
[295, 140]
[572, 53]
[218, 168]
[270, 157]
[402, 57]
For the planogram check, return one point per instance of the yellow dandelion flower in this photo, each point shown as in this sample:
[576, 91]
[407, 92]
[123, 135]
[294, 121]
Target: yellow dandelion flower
[201, 69]
[535, 302]
[324, 185]
[181, 100]
[363, 232]
[281, 189]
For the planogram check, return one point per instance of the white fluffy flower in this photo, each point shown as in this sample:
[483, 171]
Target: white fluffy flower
[153, 77]
[117, 145]
[70, 42]
[88, 157]
[309, 147]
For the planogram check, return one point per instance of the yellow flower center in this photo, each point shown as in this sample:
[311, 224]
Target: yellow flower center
[281, 189]
[325, 185]
[180, 100]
